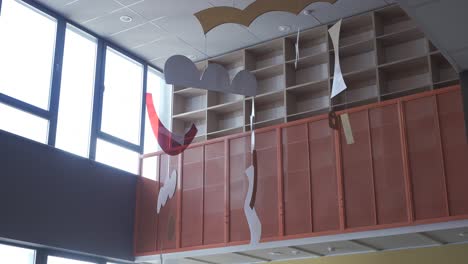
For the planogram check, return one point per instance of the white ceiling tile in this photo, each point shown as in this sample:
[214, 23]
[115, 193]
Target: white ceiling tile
[156, 9]
[240, 4]
[336, 248]
[327, 13]
[166, 47]
[128, 2]
[266, 26]
[457, 235]
[228, 258]
[110, 24]
[83, 10]
[276, 254]
[399, 241]
[222, 39]
[139, 35]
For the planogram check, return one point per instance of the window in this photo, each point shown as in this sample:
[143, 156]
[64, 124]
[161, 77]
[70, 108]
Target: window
[161, 92]
[117, 157]
[57, 260]
[76, 93]
[17, 255]
[123, 88]
[26, 51]
[23, 124]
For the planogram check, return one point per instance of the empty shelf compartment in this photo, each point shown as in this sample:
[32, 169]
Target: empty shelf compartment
[232, 62]
[269, 107]
[362, 86]
[225, 117]
[392, 19]
[442, 71]
[310, 69]
[218, 98]
[308, 98]
[356, 29]
[400, 46]
[354, 58]
[404, 76]
[182, 123]
[270, 79]
[311, 42]
[264, 55]
[188, 102]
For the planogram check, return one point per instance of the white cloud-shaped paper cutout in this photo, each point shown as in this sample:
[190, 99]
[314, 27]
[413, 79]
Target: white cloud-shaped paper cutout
[181, 71]
[167, 191]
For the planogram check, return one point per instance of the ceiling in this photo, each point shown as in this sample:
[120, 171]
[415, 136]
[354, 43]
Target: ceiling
[430, 235]
[441, 21]
[162, 28]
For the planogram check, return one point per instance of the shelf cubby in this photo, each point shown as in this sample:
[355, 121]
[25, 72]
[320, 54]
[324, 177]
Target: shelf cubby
[311, 42]
[405, 76]
[356, 57]
[442, 71]
[309, 98]
[356, 29]
[270, 79]
[181, 123]
[362, 87]
[225, 117]
[401, 45]
[264, 55]
[218, 98]
[192, 100]
[309, 69]
[391, 20]
[269, 107]
[233, 62]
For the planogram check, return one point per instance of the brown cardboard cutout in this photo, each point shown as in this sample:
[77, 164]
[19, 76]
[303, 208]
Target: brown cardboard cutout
[215, 16]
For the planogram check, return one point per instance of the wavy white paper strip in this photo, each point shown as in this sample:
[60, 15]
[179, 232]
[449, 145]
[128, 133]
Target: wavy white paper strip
[339, 84]
[168, 190]
[255, 226]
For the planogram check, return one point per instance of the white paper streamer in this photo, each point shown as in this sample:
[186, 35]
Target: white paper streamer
[252, 120]
[339, 84]
[297, 47]
[253, 221]
[168, 190]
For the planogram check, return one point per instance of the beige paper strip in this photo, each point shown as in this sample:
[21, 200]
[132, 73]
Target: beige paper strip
[215, 16]
[347, 129]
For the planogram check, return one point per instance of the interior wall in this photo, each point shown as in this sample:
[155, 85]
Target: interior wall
[56, 199]
[453, 254]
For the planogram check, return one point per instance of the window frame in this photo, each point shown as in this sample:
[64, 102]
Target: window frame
[52, 114]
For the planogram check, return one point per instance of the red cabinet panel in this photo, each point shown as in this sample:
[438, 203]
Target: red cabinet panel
[325, 210]
[266, 204]
[358, 173]
[297, 197]
[239, 161]
[214, 202]
[388, 165]
[425, 158]
[192, 197]
[455, 150]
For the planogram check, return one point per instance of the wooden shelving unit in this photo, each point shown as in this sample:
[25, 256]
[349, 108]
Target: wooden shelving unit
[383, 56]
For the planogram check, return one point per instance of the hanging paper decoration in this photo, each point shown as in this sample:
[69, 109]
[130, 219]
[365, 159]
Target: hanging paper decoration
[170, 143]
[167, 191]
[255, 226]
[297, 48]
[339, 84]
[348, 132]
[181, 71]
[215, 16]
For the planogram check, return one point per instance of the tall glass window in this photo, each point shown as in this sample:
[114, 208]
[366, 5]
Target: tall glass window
[76, 93]
[23, 124]
[17, 255]
[117, 157]
[26, 50]
[123, 87]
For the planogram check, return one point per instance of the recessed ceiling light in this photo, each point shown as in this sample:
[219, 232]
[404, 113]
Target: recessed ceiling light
[463, 234]
[275, 253]
[192, 57]
[126, 19]
[284, 28]
[331, 249]
[308, 12]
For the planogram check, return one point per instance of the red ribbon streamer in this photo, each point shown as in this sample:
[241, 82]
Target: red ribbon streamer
[166, 138]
